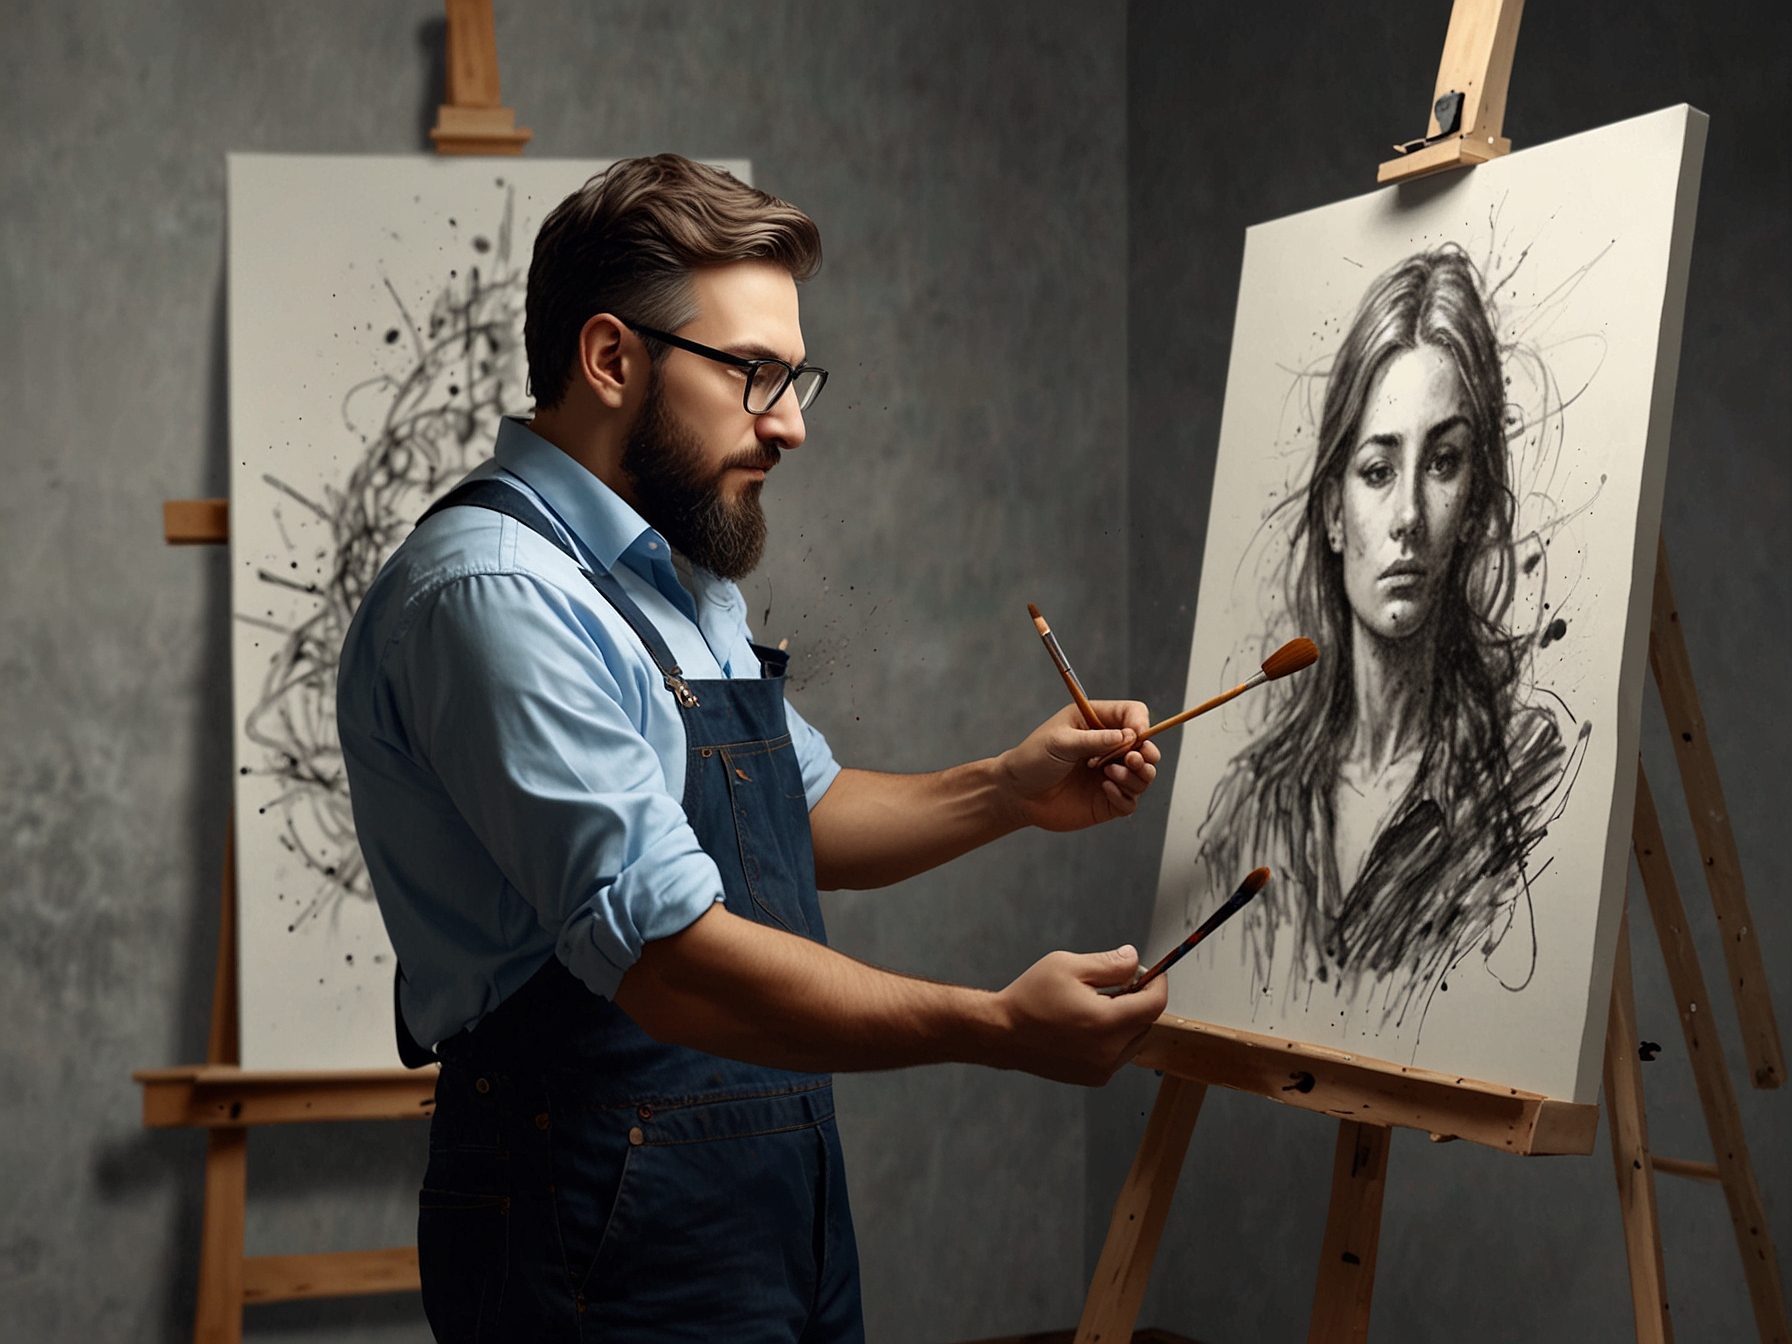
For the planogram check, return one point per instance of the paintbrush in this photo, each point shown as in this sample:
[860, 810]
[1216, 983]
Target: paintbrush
[1290, 658]
[1090, 717]
[1252, 884]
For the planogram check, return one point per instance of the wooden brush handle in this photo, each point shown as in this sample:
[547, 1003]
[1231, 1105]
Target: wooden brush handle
[1196, 712]
[1184, 717]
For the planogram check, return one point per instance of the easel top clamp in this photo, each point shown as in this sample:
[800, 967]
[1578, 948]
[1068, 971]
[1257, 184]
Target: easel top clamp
[1370, 1096]
[219, 1096]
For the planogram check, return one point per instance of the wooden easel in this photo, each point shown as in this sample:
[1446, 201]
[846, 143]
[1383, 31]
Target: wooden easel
[220, 1096]
[1368, 1096]
[225, 1100]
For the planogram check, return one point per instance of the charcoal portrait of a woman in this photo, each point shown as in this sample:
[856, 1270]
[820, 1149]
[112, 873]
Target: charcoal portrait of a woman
[1401, 786]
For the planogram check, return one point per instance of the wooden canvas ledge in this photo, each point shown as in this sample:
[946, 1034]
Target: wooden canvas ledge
[214, 1096]
[1369, 1091]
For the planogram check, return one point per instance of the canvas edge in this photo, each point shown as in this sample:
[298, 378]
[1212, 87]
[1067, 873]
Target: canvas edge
[1191, 692]
[1442, 181]
[1614, 888]
[235, 166]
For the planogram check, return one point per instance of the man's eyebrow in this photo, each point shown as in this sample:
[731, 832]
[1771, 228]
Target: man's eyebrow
[752, 350]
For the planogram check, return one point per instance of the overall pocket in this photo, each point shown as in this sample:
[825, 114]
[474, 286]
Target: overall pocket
[776, 863]
[718, 1224]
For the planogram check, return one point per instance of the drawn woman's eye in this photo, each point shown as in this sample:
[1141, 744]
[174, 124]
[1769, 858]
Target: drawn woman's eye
[1445, 463]
[1376, 473]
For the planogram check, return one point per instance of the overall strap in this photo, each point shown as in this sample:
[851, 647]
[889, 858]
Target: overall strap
[491, 493]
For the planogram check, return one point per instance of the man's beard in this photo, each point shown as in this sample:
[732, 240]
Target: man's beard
[681, 494]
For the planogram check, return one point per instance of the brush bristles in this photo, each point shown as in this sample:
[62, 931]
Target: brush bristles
[1291, 657]
[1033, 611]
[1254, 882]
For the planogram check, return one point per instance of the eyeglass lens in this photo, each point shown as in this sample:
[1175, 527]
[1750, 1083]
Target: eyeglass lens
[770, 380]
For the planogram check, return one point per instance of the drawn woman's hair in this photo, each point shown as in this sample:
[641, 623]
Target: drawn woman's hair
[1432, 299]
[1265, 803]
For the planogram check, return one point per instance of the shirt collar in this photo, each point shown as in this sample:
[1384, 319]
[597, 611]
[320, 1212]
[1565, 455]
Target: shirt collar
[602, 519]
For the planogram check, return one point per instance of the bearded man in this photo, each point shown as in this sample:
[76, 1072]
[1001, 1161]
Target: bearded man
[596, 831]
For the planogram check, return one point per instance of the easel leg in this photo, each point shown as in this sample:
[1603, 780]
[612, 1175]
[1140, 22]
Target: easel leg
[1711, 824]
[1748, 1214]
[1125, 1266]
[1352, 1234]
[1630, 1157]
[219, 1319]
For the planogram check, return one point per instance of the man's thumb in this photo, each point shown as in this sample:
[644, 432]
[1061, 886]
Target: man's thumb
[1108, 968]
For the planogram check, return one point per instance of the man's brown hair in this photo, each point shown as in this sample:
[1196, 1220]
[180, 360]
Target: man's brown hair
[626, 243]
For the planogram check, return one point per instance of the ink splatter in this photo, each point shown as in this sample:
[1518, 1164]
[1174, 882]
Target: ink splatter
[416, 429]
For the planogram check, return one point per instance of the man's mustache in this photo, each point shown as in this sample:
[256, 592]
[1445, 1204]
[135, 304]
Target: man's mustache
[763, 458]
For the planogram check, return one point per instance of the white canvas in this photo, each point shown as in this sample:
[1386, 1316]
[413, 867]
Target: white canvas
[1446, 798]
[376, 319]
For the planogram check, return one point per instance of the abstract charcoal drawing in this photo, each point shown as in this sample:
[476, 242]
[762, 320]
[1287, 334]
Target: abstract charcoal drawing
[1441, 459]
[426, 422]
[376, 309]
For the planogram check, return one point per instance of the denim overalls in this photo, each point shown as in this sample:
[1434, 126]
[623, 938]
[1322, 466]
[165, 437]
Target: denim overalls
[588, 1183]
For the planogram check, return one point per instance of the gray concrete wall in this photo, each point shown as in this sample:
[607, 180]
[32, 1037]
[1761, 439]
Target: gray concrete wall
[980, 173]
[966, 165]
[1237, 116]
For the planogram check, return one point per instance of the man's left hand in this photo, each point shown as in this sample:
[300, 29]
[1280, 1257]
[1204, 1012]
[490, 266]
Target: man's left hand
[1056, 777]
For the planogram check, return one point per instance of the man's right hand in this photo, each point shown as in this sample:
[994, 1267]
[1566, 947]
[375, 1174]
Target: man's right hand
[1059, 1027]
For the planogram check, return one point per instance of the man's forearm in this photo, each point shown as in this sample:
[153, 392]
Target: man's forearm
[873, 829]
[731, 987]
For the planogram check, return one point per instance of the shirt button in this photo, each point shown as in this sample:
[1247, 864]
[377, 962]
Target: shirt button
[636, 1137]
[483, 1085]
[645, 1112]
[541, 1121]
[653, 545]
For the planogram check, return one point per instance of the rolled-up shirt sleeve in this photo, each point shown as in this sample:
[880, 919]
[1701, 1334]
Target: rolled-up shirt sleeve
[813, 756]
[512, 698]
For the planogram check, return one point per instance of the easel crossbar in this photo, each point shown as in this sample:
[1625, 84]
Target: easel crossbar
[211, 1096]
[1369, 1091]
[290, 1278]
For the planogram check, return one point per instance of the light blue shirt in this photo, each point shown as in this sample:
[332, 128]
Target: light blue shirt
[515, 760]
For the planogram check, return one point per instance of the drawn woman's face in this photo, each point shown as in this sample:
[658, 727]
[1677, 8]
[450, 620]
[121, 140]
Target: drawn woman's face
[1397, 512]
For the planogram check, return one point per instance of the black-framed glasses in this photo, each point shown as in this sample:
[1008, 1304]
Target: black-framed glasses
[767, 379]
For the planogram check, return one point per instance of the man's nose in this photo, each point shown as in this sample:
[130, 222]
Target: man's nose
[783, 423]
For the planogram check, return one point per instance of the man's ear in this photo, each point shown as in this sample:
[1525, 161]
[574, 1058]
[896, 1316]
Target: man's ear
[610, 358]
